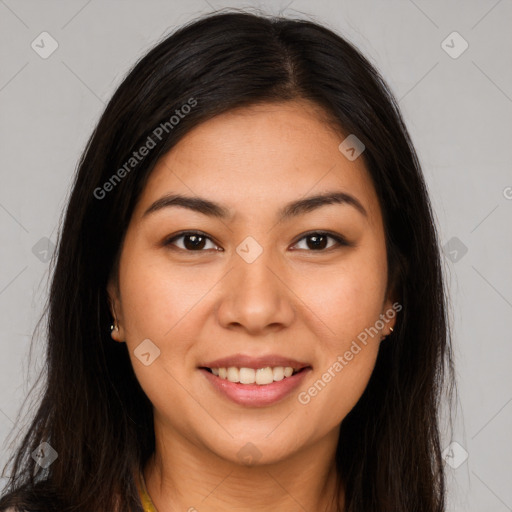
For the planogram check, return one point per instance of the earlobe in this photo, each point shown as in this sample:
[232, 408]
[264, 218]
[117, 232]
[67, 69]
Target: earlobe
[389, 317]
[116, 336]
[116, 332]
[387, 335]
[113, 300]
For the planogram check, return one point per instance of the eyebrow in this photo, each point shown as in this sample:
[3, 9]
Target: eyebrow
[293, 209]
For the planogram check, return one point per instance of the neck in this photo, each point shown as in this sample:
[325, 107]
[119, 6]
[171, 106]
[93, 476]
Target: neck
[184, 476]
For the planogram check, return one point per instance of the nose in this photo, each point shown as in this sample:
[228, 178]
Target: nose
[256, 298]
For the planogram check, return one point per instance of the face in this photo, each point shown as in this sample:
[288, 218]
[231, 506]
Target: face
[257, 284]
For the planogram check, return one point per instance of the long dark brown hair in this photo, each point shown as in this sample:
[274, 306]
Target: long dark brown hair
[93, 411]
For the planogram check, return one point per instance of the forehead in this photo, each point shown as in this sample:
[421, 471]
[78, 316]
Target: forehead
[261, 156]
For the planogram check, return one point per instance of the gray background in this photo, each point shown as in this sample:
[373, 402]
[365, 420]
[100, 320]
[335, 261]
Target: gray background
[458, 111]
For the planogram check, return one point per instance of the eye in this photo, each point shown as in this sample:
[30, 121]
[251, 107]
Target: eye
[318, 241]
[193, 241]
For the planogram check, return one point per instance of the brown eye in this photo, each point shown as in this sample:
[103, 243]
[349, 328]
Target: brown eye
[318, 241]
[192, 241]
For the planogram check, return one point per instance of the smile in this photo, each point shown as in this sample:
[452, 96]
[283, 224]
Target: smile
[255, 387]
[260, 376]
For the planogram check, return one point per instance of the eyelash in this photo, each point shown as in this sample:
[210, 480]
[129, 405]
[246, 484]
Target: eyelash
[341, 242]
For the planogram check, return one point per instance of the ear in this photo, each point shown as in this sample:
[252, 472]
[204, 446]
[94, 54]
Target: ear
[116, 311]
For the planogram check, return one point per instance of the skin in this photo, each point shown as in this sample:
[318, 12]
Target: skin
[308, 304]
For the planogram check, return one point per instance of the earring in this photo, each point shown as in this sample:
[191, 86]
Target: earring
[113, 327]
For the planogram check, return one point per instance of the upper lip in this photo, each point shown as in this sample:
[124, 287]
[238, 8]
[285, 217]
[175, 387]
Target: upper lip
[246, 361]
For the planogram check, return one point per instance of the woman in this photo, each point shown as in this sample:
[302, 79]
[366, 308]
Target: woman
[247, 310]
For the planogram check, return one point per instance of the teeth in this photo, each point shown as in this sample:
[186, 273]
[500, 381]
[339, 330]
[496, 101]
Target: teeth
[261, 376]
[247, 376]
[278, 373]
[233, 374]
[264, 375]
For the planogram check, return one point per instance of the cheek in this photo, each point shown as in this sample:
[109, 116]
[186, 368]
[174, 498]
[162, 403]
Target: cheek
[346, 363]
[161, 303]
[340, 387]
[145, 301]
[347, 302]
[156, 303]
[346, 299]
[156, 296]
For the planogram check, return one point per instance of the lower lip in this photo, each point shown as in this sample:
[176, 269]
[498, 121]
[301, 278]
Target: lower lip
[256, 395]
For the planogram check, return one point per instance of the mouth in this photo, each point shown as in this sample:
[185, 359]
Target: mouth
[255, 382]
[259, 376]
